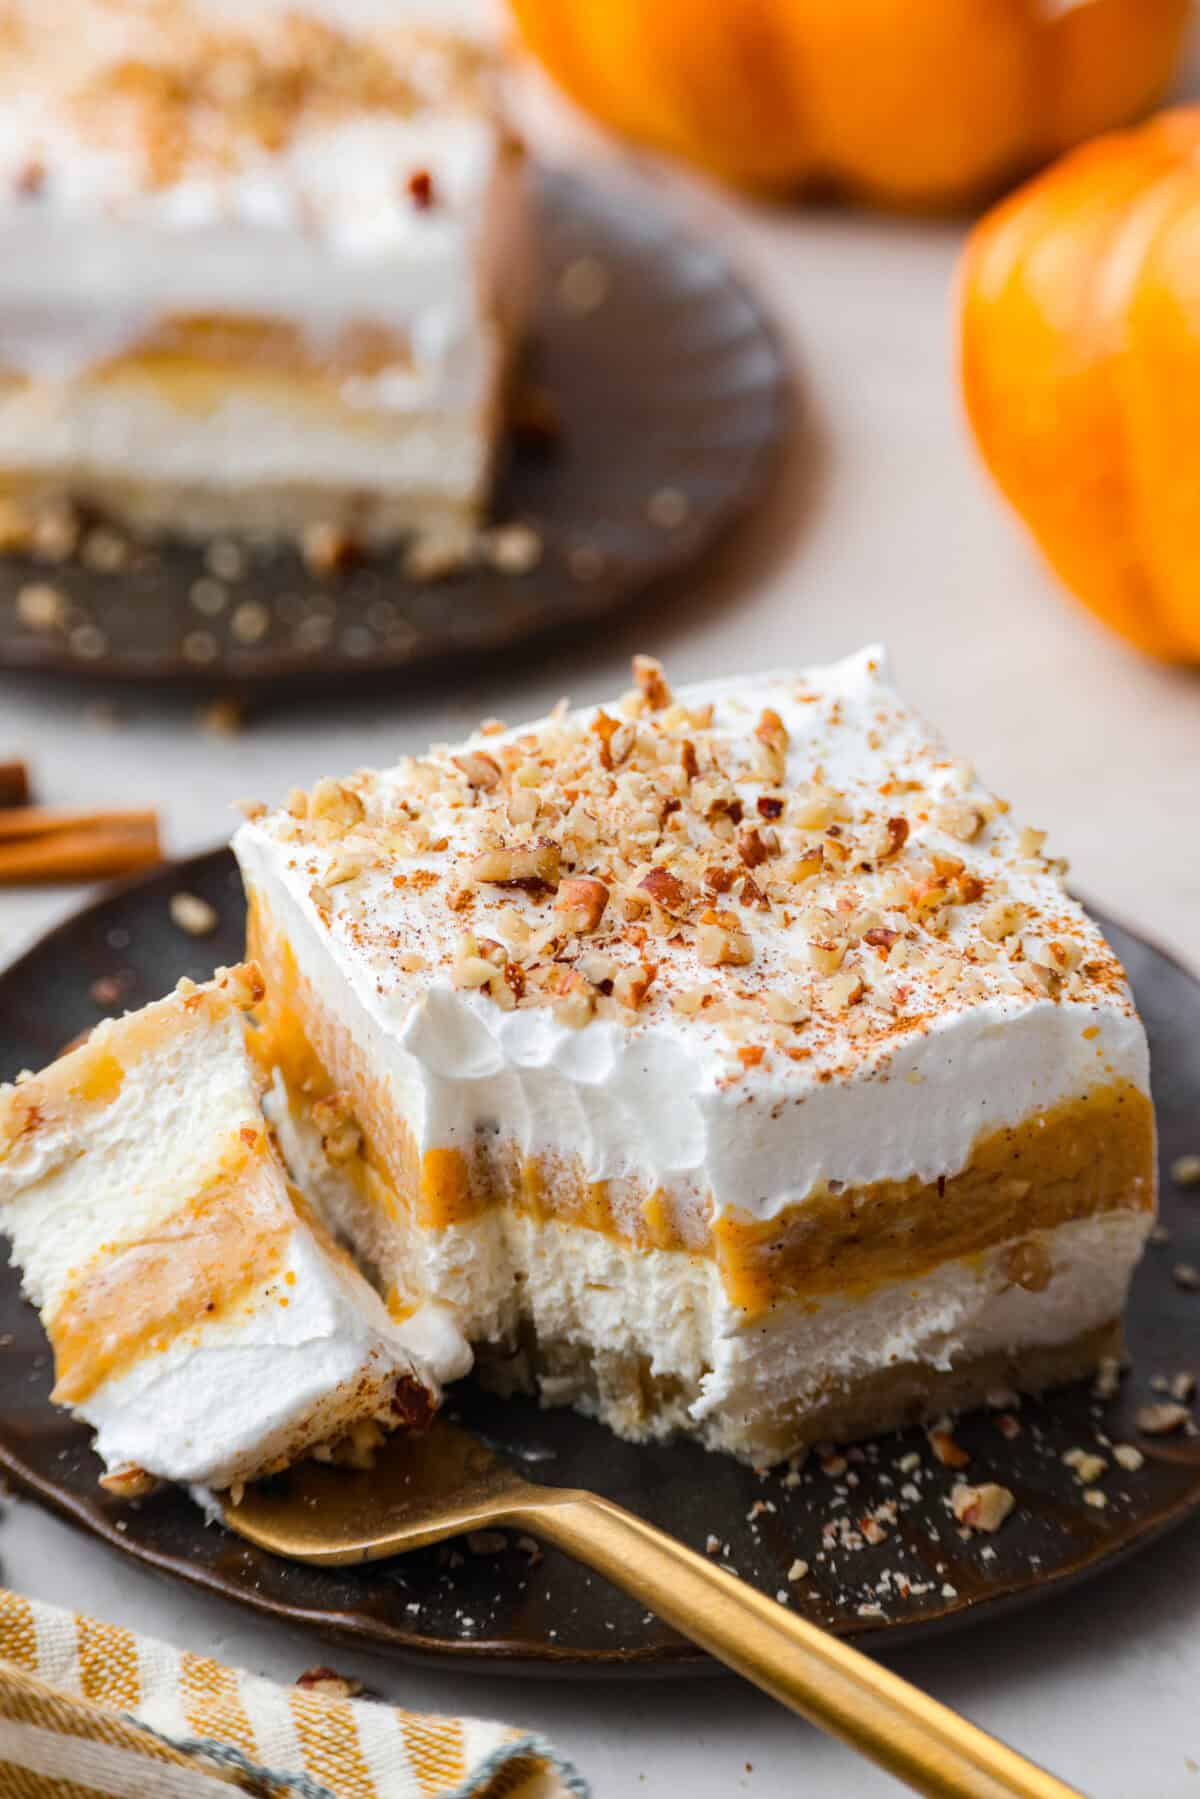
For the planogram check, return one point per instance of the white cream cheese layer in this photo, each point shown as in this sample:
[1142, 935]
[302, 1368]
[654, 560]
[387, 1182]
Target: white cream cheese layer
[297, 1359]
[247, 438]
[660, 1097]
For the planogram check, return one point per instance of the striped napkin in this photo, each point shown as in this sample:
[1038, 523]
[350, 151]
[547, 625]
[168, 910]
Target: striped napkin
[88, 1709]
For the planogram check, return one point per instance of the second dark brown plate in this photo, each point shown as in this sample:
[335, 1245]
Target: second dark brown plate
[670, 389]
[512, 1608]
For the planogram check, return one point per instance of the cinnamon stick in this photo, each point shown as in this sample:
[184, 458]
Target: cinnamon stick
[83, 849]
[14, 784]
[43, 821]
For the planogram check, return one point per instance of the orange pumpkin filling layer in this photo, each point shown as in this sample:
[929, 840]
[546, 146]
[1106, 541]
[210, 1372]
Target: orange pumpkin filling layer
[191, 362]
[200, 347]
[1086, 1156]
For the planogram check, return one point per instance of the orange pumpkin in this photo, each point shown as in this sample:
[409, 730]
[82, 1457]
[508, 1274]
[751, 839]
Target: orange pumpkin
[911, 102]
[1080, 363]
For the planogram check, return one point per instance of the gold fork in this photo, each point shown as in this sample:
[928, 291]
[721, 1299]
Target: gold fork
[439, 1484]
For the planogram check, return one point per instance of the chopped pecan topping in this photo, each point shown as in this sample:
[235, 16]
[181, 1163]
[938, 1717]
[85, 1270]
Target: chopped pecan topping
[193, 914]
[666, 890]
[582, 900]
[649, 680]
[982, 1508]
[413, 1405]
[826, 957]
[244, 984]
[1001, 920]
[129, 1483]
[772, 735]
[771, 730]
[949, 1453]
[896, 836]
[716, 945]
[960, 818]
[480, 770]
[1087, 1466]
[751, 848]
[720, 880]
[576, 999]
[513, 976]
[846, 989]
[537, 862]
[631, 985]
[616, 740]
[785, 1010]
[1162, 1419]
[335, 805]
[808, 865]
[328, 1684]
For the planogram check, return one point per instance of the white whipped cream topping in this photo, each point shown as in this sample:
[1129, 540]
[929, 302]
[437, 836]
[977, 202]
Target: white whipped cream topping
[296, 1361]
[321, 232]
[652, 1098]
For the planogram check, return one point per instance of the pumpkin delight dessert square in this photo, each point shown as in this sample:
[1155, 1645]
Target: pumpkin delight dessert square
[727, 1061]
[262, 274]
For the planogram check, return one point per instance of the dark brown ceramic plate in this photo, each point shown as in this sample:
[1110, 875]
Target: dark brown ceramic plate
[671, 394]
[512, 1608]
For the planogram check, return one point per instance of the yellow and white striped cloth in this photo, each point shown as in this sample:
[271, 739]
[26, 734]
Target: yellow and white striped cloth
[89, 1709]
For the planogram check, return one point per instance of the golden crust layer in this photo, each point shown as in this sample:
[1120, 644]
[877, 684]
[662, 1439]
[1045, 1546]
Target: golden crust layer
[639, 1404]
[312, 513]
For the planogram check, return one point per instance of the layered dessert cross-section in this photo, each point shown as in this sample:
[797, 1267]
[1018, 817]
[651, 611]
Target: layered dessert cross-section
[258, 273]
[203, 1321]
[728, 1061]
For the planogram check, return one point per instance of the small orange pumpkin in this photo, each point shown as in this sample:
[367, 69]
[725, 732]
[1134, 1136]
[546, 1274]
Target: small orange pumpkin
[911, 102]
[1080, 365]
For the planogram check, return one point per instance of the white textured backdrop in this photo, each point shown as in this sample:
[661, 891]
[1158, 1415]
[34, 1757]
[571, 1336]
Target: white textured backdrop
[879, 526]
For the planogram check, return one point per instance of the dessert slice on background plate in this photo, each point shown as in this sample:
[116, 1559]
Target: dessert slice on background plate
[203, 1321]
[260, 273]
[728, 1061]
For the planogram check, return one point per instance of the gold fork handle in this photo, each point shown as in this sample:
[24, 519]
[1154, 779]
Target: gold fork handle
[832, 1685]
